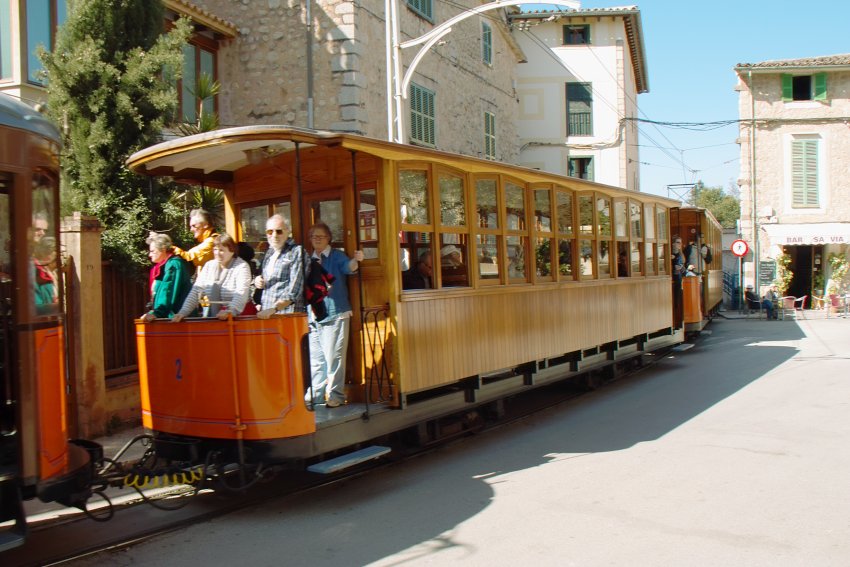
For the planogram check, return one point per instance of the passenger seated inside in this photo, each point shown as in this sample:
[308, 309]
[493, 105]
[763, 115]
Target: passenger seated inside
[421, 275]
[452, 268]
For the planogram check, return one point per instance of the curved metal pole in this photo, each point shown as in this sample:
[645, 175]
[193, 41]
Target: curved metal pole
[397, 87]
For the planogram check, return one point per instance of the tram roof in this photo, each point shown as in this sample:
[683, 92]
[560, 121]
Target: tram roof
[213, 157]
[16, 114]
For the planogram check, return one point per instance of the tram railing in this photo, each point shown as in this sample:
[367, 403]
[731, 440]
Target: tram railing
[376, 332]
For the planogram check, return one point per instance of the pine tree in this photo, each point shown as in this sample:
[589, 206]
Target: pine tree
[107, 92]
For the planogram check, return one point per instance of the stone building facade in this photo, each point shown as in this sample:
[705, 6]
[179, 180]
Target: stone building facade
[795, 168]
[323, 65]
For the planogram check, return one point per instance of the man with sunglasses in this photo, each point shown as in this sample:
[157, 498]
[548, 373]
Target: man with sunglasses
[282, 272]
[200, 224]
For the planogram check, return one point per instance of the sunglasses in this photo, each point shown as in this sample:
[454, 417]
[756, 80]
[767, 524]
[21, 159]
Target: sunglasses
[270, 231]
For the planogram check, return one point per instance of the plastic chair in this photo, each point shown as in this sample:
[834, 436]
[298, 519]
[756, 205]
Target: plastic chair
[838, 303]
[800, 306]
[786, 307]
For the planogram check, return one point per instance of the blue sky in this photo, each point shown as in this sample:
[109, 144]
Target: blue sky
[692, 49]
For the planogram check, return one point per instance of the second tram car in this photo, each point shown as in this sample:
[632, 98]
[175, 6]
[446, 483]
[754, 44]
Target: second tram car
[558, 276]
[701, 236]
[36, 458]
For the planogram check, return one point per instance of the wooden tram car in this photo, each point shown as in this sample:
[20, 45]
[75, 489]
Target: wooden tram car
[558, 276]
[701, 236]
[36, 459]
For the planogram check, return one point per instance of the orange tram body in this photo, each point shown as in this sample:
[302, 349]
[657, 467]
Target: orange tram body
[36, 457]
[558, 277]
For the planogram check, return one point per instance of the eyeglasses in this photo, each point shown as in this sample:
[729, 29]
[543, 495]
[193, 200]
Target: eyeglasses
[193, 226]
[270, 231]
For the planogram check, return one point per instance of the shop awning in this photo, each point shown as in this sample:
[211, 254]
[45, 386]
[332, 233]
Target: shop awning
[809, 233]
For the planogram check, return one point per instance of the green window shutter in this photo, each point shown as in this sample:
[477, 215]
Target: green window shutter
[787, 88]
[820, 86]
[589, 169]
[486, 43]
[804, 173]
[421, 115]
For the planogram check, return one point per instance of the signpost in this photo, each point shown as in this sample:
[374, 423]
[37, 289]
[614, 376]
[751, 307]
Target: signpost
[740, 248]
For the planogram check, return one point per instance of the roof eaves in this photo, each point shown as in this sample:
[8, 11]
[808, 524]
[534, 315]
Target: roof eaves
[204, 17]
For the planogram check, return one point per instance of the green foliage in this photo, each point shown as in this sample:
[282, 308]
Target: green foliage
[107, 92]
[726, 208]
[840, 268]
[784, 275]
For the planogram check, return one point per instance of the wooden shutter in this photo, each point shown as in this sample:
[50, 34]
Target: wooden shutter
[486, 43]
[804, 173]
[787, 88]
[820, 86]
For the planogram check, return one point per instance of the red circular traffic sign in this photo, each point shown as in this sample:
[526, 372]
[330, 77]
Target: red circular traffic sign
[740, 248]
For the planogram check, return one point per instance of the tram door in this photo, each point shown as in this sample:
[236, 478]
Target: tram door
[7, 405]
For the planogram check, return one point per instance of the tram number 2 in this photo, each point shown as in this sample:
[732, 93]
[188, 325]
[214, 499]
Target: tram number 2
[178, 363]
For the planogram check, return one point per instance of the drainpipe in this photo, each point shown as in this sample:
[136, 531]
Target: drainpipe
[753, 209]
[309, 41]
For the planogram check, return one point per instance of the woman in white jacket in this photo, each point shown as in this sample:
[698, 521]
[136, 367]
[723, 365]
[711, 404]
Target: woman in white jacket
[225, 281]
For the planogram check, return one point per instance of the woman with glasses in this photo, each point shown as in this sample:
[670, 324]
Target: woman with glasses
[282, 272]
[225, 283]
[329, 326]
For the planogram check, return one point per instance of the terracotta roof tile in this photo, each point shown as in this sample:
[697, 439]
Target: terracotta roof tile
[824, 61]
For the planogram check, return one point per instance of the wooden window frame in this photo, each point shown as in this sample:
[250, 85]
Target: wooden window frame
[550, 234]
[512, 232]
[562, 234]
[637, 239]
[497, 233]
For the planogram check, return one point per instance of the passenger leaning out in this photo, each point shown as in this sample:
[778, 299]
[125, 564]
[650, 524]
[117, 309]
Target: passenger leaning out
[224, 283]
[200, 223]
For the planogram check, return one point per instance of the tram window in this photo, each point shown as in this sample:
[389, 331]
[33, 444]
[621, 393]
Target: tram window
[543, 258]
[649, 258]
[367, 219]
[417, 260]
[565, 212]
[585, 213]
[413, 194]
[565, 259]
[515, 205]
[486, 204]
[586, 254]
[542, 210]
[661, 224]
[635, 219]
[603, 216]
[452, 201]
[329, 211]
[662, 258]
[649, 219]
[604, 259]
[488, 257]
[635, 256]
[454, 271]
[516, 257]
[623, 259]
[43, 246]
[5, 231]
[620, 219]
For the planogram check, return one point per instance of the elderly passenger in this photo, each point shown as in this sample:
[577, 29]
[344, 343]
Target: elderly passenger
[169, 281]
[225, 282]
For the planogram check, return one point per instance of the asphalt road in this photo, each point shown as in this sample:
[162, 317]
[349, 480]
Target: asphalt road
[731, 453]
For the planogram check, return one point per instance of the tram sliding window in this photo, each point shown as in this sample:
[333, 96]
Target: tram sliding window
[367, 220]
[43, 247]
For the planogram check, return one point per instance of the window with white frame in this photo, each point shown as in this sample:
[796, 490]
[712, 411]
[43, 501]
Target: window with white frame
[43, 17]
[804, 173]
[422, 117]
[486, 43]
[489, 135]
[579, 109]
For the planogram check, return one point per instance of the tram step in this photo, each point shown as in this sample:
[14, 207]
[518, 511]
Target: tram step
[12, 514]
[683, 347]
[345, 461]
